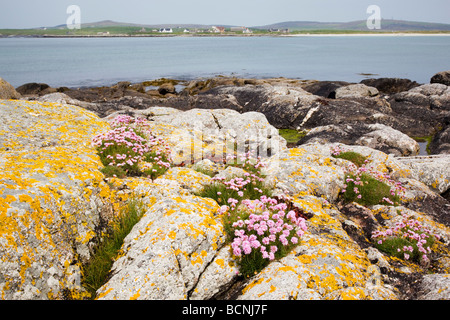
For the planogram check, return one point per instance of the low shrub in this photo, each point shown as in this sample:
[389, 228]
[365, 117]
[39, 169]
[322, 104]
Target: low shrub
[130, 148]
[364, 184]
[261, 231]
[367, 190]
[408, 239]
[258, 227]
[233, 190]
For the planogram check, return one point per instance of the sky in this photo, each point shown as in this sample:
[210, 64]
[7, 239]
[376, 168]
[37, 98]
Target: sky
[47, 13]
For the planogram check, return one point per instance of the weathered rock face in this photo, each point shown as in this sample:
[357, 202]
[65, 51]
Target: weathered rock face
[53, 199]
[441, 142]
[165, 248]
[432, 171]
[168, 251]
[375, 136]
[7, 91]
[405, 106]
[53, 202]
[435, 287]
[428, 104]
[199, 134]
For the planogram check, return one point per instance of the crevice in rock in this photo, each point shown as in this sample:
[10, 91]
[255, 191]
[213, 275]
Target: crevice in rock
[190, 291]
[232, 290]
[216, 121]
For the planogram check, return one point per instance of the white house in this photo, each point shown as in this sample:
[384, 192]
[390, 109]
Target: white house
[217, 29]
[166, 30]
[247, 30]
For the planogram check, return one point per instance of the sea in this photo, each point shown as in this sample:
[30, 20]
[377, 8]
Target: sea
[88, 62]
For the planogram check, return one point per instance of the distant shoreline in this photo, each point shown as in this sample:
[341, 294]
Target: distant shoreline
[366, 34]
[369, 34]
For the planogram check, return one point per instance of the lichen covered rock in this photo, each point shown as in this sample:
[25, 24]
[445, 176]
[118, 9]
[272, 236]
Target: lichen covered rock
[53, 199]
[55, 204]
[167, 251]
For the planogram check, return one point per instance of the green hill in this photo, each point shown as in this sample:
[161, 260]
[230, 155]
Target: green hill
[360, 25]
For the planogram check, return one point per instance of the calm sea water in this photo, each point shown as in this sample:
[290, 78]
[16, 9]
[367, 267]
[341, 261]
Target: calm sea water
[105, 61]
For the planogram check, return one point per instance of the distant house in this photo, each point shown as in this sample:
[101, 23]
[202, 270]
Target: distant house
[186, 31]
[273, 30]
[237, 29]
[166, 30]
[247, 30]
[103, 33]
[217, 29]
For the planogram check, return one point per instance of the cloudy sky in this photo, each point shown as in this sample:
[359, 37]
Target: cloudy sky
[43, 13]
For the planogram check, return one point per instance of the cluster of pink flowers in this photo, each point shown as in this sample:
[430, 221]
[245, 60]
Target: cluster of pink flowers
[414, 232]
[128, 142]
[123, 139]
[337, 150]
[354, 173]
[267, 228]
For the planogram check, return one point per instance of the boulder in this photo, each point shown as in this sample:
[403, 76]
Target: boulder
[355, 91]
[390, 85]
[168, 253]
[440, 144]
[441, 77]
[54, 203]
[428, 105]
[35, 89]
[301, 171]
[199, 134]
[7, 91]
[167, 88]
[287, 103]
[376, 136]
[326, 89]
[433, 171]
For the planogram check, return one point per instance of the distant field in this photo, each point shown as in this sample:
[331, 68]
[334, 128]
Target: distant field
[121, 30]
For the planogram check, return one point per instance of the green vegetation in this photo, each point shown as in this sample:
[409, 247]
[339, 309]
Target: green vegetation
[295, 28]
[130, 149]
[259, 228]
[356, 158]
[409, 239]
[292, 136]
[365, 185]
[250, 186]
[367, 190]
[96, 271]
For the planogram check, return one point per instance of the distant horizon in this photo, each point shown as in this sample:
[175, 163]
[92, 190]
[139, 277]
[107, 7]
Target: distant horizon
[218, 24]
[27, 14]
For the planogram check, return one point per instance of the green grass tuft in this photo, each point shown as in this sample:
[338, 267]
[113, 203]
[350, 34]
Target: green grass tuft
[97, 270]
[371, 192]
[356, 158]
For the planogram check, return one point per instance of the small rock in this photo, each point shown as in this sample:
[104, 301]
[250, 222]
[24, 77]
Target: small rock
[7, 91]
[441, 77]
[166, 88]
[356, 91]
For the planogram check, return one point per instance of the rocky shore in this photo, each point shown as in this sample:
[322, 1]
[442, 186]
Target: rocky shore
[57, 202]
